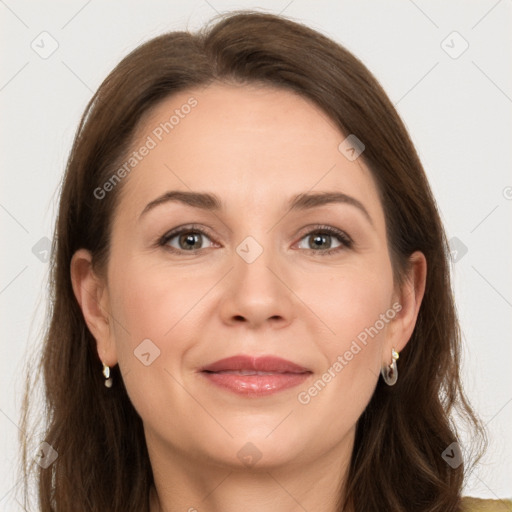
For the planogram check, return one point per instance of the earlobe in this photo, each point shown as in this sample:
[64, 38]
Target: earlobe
[92, 295]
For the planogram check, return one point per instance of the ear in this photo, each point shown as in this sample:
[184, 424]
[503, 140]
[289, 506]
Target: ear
[91, 292]
[409, 298]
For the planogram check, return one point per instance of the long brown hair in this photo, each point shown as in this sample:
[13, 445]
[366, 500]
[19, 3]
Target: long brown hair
[102, 462]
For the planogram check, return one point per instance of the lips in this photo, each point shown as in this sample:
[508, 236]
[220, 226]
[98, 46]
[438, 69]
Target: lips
[260, 365]
[255, 376]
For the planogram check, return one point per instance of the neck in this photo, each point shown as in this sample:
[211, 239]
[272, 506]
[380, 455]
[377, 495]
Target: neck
[193, 485]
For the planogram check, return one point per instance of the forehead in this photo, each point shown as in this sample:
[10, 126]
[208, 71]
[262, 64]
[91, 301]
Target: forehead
[253, 146]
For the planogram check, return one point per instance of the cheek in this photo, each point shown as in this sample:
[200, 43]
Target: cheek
[355, 308]
[350, 301]
[152, 309]
[151, 301]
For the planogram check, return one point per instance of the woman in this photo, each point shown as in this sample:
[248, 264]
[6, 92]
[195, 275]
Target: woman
[205, 351]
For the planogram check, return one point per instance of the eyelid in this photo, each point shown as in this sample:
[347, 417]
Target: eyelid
[331, 230]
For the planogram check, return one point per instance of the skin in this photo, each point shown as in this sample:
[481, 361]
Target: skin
[255, 147]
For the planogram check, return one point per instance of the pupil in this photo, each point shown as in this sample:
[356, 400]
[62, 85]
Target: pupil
[190, 239]
[319, 239]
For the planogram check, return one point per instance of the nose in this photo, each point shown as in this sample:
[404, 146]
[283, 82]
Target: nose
[257, 290]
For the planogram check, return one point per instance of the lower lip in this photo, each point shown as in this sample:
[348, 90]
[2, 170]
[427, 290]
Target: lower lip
[256, 385]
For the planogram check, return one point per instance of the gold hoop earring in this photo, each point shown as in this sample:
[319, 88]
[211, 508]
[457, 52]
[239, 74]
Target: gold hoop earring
[390, 373]
[106, 374]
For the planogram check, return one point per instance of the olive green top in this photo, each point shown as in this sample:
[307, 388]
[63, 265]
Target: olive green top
[479, 505]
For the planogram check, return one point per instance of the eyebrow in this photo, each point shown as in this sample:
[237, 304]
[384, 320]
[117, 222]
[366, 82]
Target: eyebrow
[300, 202]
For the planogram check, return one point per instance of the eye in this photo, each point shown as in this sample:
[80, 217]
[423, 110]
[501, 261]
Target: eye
[187, 239]
[191, 238]
[321, 238]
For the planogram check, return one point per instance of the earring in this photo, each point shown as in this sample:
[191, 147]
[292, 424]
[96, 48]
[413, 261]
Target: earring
[390, 373]
[108, 378]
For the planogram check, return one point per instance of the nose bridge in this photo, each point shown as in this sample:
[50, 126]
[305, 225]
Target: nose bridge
[257, 249]
[256, 256]
[256, 293]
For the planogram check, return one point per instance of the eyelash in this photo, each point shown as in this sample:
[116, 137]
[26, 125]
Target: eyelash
[343, 238]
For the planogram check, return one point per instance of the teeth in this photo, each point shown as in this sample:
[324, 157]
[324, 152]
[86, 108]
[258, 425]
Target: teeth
[247, 372]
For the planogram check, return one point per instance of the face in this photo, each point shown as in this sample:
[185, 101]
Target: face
[260, 275]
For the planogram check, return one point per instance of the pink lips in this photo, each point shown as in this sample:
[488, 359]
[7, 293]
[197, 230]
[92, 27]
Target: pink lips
[255, 376]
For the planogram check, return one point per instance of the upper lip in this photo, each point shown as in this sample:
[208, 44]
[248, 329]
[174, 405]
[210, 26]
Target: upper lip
[264, 363]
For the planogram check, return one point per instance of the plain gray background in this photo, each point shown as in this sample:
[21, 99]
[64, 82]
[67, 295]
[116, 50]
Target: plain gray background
[455, 101]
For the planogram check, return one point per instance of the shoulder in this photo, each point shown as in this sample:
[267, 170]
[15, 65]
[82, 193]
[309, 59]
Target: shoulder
[479, 505]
